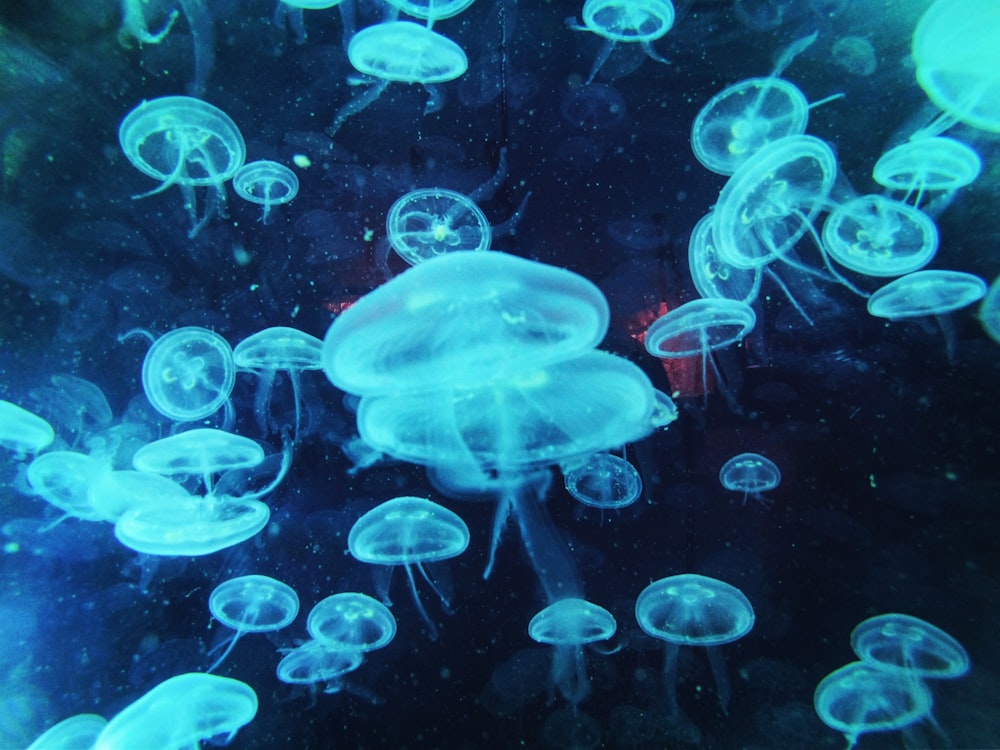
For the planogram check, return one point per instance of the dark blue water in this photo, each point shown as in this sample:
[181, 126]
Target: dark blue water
[885, 433]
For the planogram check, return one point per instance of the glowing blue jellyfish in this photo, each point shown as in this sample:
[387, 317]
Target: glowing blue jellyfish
[927, 165]
[877, 236]
[434, 221]
[181, 712]
[604, 481]
[179, 140]
[63, 479]
[267, 183]
[410, 531]
[80, 731]
[252, 604]
[568, 625]
[751, 474]
[188, 374]
[22, 431]
[351, 622]
[862, 697]
[313, 663]
[907, 644]
[989, 311]
[202, 452]
[431, 10]
[636, 21]
[694, 610]
[713, 277]
[926, 293]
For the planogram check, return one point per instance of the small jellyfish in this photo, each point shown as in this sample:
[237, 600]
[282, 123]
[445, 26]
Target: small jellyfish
[634, 21]
[351, 622]
[604, 481]
[751, 474]
[251, 604]
[855, 55]
[434, 221]
[267, 183]
[926, 293]
[22, 431]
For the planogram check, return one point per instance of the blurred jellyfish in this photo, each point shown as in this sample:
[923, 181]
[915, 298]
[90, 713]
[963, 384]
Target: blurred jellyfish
[267, 183]
[854, 54]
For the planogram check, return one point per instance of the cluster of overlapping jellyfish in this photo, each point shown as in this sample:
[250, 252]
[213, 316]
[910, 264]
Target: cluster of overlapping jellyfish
[483, 368]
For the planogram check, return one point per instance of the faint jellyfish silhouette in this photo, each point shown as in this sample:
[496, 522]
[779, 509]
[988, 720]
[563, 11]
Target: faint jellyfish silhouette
[79, 731]
[410, 531]
[855, 55]
[877, 236]
[313, 663]
[634, 21]
[183, 141]
[189, 373]
[713, 277]
[63, 478]
[434, 221]
[989, 311]
[908, 645]
[593, 106]
[694, 610]
[862, 697]
[267, 183]
[751, 474]
[698, 328]
[569, 625]
[251, 604]
[351, 622]
[399, 51]
[181, 712]
[23, 432]
[604, 481]
[922, 165]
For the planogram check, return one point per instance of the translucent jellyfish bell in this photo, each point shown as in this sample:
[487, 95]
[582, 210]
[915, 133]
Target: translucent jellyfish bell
[907, 644]
[713, 277]
[877, 236]
[862, 697]
[409, 531]
[189, 373]
[278, 348]
[434, 221]
[568, 625]
[22, 431]
[312, 663]
[267, 183]
[743, 118]
[637, 21]
[697, 328]
[431, 10]
[751, 474]
[604, 481]
[252, 604]
[694, 610]
[183, 141]
[351, 622]
[75, 732]
[63, 479]
[462, 318]
[926, 293]
[927, 164]
[181, 712]
[989, 311]
[200, 453]
[958, 62]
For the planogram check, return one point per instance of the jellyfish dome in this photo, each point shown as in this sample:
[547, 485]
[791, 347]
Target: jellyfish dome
[958, 60]
[862, 697]
[629, 20]
[926, 293]
[188, 373]
[694, 610]
[604, 481]
[932, 163]
[434, 221]
[254, 604]
[431, 10]
[22, 431]
[351, 621]
[181, 712]
[907, 644]
[267, 183]
[989, 311]
[408, 530]
[313, 662]
[198, 452]
[743, 118]
[751, 474]
[462, 318]
[407, 52]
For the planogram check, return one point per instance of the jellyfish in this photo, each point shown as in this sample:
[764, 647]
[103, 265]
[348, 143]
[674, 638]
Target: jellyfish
[922, 165]
[410, 531]
[694, 610]
[926, 293]
[181, 712]
[989, 311]
[352, 622]
[907, 644]
[698, 328]
[399, 51]
[876, 236]
[569, 625]
[855, 55]
[183, 141]
[251, 604]
[79, 731]
[312, 663]
[201, 452]
[63, 478]
[278, 348]
[189, 373]
[431, 10]
[861, 697]
[958, 63]
[635, 21]
[713, 277]
[267, 183]
[22, 431]
[433, 221]
[752, 474]
[604, 481]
